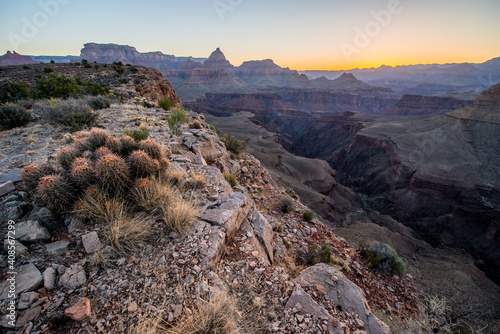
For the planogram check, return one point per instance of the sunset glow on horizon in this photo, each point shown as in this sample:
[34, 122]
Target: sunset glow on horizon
[324, 35]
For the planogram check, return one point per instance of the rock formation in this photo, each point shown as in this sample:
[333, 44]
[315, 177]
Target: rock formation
[14, 58]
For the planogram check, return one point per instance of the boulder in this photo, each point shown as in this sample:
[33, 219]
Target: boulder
[263, 231]
[91, 242]
[28, 278]
[343, 293]
[80, 311]
[73, 277]
[31, 231]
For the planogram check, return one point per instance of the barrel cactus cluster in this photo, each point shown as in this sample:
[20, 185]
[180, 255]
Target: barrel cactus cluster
[95, 159]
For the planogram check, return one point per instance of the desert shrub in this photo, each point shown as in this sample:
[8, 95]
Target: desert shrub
[112, 173]
[151, 148]
[14, 92]
[178, 116]
[126, 233]
[383, 257]
[48, 70]
[82, 172]
[308, 215]
[219, 315]
[165, 103]
[233, 144]
[90, 88]
[142, 101]
[197, 181]
[128, 145]
[174, 176]
[212, 128]
[85, 61]
[141, 164]
[56, 86]
[13, 115]
[66, 156]
[32, 173]
[287, 205]
[180, 215]
[123, 81]
[153, 196]
[137, 134]
[195, 125]
[54, 192]
[71, 113]
[231, 179]
[98, 102]
[314, 255]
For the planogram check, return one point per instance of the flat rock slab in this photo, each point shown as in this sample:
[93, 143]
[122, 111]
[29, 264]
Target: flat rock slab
[12, 176]
[20, 249]
[27, 316]
[28, 278]
[73, 277]
[6, 188]
[57, 246]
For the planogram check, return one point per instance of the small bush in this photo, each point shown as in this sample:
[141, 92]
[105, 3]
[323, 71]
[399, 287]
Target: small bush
[137, 134]
[126, 233]
[71, 113]
[308, 216]
[233, 144]
[100, 207]
[13, 116]
[48, 70]
[197, 181]
[195, 125]
[112, 173]
[383, 257]
[14, 92]
[231, 179]
[314, 255]
[153, 196]
[98, 102]
[56, 86]
[54, 192]
[287, 205]
[141, 164]
[180, 215]
[212, 128]
[32, 173]
[177, 117]
[165, 103]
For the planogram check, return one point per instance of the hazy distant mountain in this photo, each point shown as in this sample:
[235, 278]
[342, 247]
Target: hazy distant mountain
[426, 79]
[14, 58]
[56, 59]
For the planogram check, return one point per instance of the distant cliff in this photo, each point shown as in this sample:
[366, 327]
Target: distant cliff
[14, 58]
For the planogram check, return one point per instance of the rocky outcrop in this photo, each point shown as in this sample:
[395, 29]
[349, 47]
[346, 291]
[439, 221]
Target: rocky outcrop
[14, 58]
[418, 105]
[218, 61]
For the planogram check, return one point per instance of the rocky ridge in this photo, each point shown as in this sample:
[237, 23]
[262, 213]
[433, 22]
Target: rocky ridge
[14, 58]
[241, 246]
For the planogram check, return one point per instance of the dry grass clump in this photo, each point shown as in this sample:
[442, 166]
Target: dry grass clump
[218, 315]
[180, 215]
[197, 181]
[153, 196]
[174, 176]
[127, 233]
[97, 205]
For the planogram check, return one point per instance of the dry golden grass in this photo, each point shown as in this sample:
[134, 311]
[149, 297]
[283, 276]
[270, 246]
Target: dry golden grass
[154, 195]
[127, 233]
[218, 315]
[97, 205]
[180, 215]
[174, 176]
[197, 181]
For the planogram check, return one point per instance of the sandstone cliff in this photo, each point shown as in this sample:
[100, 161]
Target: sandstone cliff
[14, 58]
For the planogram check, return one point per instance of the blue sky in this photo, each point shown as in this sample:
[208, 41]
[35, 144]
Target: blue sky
[318, 34]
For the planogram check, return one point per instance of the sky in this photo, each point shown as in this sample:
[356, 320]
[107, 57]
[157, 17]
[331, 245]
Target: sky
[301, 35]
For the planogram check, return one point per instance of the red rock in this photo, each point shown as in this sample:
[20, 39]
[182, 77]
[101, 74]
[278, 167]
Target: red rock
[132, 307]
[79, 311]
[321, 289]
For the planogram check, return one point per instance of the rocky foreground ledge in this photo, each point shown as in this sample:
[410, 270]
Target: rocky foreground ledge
[243, 251]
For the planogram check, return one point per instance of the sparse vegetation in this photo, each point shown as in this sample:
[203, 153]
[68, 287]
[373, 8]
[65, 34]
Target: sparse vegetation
[314, 255]
[137, 134]
[14, 92]
[383, 257]
[98, 102]
[177, 117]
[13, 116]
[165, 103]
[180, 215]
[233, 144]
[231, 179]
[287, 205]
[127, 233]
[74, 114]
[195, 125]
[308, 215]
[154, 196]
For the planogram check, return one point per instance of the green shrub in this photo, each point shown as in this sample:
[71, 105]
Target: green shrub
[112, 173]
[314, 255]
[231, 179]
[383, 257]
[151, 148]
[85, 61]
[32, 173]
[14, 92]
[137, 134]
[52, 61]
[287, 205]
[56, 86]
[165, 103]
[141, 164]
[308, 215]
[123, 81]
[93, 89]
[26, 67]
[212, 128]
[54, 192]
[13, 116]
[177, 117]
[48, 70]
[233, 144]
